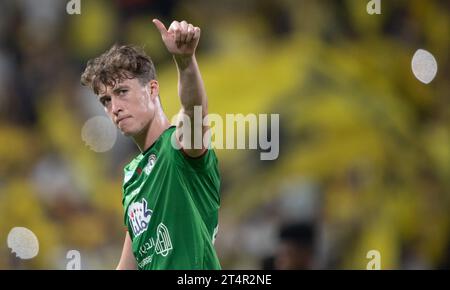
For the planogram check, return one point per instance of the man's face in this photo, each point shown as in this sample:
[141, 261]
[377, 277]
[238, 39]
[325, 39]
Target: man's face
[130, 105]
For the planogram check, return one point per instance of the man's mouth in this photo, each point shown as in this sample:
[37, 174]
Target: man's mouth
[121, 119]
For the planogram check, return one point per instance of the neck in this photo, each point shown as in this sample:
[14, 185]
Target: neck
[157, 126]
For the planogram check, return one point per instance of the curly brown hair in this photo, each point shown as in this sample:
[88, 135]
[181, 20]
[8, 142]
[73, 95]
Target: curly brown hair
[118, 63]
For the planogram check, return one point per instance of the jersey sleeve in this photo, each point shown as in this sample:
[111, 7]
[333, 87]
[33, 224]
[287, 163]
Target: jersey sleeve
[201, 176]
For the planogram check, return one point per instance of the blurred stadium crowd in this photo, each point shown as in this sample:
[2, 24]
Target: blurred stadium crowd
[364, 146]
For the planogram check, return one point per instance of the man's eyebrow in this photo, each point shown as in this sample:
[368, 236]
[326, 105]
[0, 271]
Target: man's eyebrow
[120, 87]
[115, 91]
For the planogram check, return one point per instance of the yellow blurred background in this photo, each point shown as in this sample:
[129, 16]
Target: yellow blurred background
[364, 146]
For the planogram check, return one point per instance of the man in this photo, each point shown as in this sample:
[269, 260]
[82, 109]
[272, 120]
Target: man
[296, 249]
[170, 190]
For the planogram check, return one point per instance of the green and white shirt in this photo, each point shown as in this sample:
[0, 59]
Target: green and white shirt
[171, 205]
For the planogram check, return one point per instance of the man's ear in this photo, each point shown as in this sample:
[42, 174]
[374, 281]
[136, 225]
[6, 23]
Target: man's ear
[153, 88]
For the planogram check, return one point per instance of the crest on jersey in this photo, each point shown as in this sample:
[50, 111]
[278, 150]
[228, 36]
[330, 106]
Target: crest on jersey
[151, 162]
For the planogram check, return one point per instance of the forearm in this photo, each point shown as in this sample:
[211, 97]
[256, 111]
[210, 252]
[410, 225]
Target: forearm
[191, 89]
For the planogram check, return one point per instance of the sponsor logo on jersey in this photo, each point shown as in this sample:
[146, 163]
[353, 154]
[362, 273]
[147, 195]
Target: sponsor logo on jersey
[159, 245]
[163, 242]
[139, 216]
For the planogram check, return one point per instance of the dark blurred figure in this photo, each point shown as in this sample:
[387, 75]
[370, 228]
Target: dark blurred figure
[445, 260]
[268, 263]
[296, 247]
[277, 15]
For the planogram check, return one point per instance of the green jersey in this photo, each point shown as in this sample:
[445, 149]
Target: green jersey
[171, 204]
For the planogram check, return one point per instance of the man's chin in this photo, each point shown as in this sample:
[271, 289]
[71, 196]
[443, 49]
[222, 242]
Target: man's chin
[127, 133]
[131, 133]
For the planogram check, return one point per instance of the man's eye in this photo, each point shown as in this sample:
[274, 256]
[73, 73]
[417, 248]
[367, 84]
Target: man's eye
[105, 101]
[122, 92]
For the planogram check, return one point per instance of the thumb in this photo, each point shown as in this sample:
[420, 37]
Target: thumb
[162, 29]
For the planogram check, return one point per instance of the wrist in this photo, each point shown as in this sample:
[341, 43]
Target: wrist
[184, 61]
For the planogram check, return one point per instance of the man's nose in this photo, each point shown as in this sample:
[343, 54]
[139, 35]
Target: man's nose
[115, 107]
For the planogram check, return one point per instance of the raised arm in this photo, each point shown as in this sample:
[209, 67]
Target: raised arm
[181, 40]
